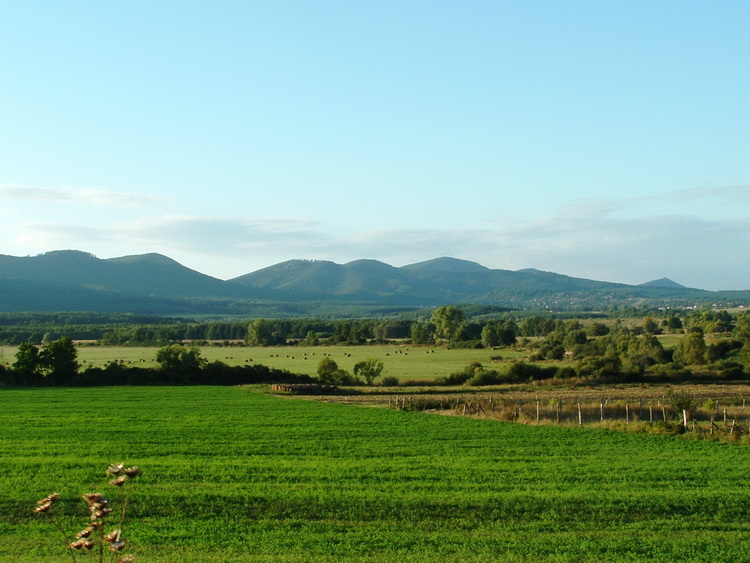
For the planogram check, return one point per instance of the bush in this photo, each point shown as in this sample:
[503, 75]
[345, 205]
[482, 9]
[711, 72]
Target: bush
[682, 401]
[389, 381]
[458, 378]
[486, 378]
[466, 344]
[521, 371]
[565, 372]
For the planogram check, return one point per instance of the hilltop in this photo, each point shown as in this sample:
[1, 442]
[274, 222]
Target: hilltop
[71, 280]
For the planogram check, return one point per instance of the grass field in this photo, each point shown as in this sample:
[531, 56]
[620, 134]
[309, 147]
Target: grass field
[403, 362]
[236, 475]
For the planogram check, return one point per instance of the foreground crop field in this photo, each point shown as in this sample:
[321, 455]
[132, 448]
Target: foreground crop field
[236, 475]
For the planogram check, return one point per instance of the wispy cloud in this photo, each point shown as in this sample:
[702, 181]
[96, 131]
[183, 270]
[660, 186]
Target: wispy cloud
[691, 250]
[198, 235]
[730, 195]
[591, 240]
[93, 196]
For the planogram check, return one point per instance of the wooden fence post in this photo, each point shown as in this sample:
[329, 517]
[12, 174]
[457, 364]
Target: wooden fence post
[580, 415]
[650, 413]
[627, 413]
[601, 410]
[685, 419]
[537, 410]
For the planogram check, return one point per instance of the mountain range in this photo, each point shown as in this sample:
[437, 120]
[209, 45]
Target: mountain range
[71, 280]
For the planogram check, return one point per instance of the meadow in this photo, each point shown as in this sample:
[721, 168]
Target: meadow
[404, 362]
[234, 474]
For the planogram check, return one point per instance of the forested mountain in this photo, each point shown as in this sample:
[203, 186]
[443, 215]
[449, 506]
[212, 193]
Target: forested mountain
[145, 274]
[447, 280]
[155, 284]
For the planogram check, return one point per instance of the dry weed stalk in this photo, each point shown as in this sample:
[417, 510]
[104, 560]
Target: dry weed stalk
[98, 536]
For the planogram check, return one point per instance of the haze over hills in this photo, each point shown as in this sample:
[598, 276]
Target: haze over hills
[72, 280]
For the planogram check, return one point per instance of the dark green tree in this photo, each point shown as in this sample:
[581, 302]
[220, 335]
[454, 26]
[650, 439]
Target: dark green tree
[691, 348]
[448, 321]
[58, 360]
[422, 333]
[330, 373]
[741, 329]
[370, 368]
[326, 368]
[650, 326]
[27, 364]
[490, 337]
[262, 332]
[181, 363]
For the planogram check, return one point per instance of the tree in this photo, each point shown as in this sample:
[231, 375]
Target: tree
[27, 364]
[490, 337]
[181, 362]
[330, 373]
[650, 326]
[499, 334]
[673, 323]
[421, 333]
[448, 321]
[262, 332]
[311, 339]
[370, 368]
[742, 328]
[326, 368]
[691, 348]
[58, 360]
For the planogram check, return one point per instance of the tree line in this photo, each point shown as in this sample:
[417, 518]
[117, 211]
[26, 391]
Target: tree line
[55, 364]
[466, 325]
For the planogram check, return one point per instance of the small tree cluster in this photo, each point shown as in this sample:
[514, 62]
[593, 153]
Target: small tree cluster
[330, 373]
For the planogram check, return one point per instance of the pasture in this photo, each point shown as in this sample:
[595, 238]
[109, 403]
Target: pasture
[404, 362]
[232, 474]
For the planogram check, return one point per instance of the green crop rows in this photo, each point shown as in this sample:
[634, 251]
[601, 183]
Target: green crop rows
[235, 475]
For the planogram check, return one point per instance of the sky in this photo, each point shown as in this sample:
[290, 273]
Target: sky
[602, 140]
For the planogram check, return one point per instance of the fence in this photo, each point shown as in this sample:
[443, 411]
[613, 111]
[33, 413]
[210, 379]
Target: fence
[731, 418]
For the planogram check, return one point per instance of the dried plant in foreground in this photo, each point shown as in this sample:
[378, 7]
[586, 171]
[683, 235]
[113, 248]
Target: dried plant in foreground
[101, 537]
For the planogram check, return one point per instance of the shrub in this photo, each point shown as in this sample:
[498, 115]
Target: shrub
[565, 372]
[682, 401]
[521, 371]
[458, 378]
[389, 381]
[486, 378]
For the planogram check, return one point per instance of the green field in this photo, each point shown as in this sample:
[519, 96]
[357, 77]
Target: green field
[403, 362]
[236, 475]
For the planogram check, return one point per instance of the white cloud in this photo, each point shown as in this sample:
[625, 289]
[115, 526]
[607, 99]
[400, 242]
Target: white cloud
[590, 240]
[729, 195]
[93, 196]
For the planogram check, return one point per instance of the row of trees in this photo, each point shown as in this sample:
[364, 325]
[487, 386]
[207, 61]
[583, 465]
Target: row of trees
[55, 364]
[458, 325]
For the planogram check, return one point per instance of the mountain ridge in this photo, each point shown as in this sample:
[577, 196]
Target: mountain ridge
[76, 280]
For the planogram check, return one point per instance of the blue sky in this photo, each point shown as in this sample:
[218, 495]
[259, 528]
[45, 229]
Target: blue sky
[605, 140]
